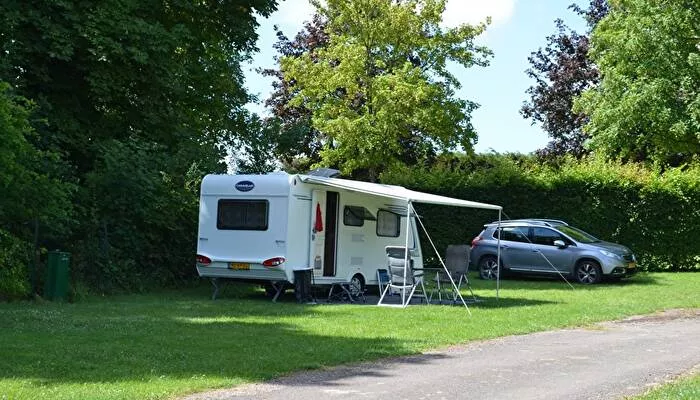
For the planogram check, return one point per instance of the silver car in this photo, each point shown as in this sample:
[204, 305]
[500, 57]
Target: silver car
[549, 247]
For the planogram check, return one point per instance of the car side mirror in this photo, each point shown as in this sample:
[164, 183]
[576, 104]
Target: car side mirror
[560, 244]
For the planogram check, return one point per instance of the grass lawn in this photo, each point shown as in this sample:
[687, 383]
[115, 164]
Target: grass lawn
[687, 388]
[170, 343]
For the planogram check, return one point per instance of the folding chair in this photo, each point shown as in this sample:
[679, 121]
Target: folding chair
[383, 280]
[402, 276]
[457, 263]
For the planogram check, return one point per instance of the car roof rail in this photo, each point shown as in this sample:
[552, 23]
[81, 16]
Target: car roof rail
[537, 221]
[551, 221]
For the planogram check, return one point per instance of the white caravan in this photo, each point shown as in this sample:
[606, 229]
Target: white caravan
[263, 228]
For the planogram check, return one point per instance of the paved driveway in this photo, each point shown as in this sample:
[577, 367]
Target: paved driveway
[608, 360]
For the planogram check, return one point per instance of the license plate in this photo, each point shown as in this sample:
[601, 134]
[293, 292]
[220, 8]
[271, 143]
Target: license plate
[632, 265]
[239, 266]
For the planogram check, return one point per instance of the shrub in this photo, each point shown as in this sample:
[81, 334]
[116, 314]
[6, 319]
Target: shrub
[655, 213]
[14, 278]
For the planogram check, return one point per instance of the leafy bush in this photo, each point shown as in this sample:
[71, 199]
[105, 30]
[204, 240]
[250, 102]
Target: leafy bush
[657, 214]
[138, 228]
[14, 279]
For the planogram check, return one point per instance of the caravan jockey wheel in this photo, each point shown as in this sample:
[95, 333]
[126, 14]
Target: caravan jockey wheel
[270, 290]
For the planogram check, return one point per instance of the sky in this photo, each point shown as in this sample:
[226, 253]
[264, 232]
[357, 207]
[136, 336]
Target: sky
[518, 28]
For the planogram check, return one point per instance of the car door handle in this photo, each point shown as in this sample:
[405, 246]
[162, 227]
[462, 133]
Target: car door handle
[503, 246]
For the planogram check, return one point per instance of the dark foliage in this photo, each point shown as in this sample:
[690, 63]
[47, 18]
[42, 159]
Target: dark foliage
[656, 215]
[134, 102]
[299, 144]
[562, 70]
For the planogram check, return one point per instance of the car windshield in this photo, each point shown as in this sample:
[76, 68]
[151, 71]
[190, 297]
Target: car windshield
[577, 234]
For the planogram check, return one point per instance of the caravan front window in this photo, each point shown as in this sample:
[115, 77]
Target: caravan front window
[242, 215]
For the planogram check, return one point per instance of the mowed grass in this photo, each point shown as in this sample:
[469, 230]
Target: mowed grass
[171, 343]
[687, 388]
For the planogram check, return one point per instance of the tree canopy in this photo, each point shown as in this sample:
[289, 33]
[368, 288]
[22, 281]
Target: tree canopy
[134, 101]
[647, 105]
[382, 83]
[299, 144]
[562, 70]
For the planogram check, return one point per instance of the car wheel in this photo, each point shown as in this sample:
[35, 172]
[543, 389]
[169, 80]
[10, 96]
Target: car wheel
[588, 272]
[488, 268]
[357, 285]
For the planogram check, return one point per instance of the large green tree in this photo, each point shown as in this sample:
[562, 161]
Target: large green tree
[382, 83]
[647, 105]
[31, 192]
[140, 98]
[299, 144]
[159, 70]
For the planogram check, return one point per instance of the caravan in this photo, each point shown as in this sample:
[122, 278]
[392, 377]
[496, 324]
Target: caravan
[263, 228]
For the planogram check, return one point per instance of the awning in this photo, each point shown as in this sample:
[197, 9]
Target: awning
[395, 192]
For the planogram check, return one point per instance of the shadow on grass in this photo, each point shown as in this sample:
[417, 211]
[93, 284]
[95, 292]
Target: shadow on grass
[126, 343]
[242, 336]
[532, 282]
[482, 302]
[505, 302]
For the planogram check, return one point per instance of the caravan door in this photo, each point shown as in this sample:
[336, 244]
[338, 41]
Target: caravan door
[324, 232]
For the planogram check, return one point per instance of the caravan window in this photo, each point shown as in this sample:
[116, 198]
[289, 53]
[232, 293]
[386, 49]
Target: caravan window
[356, 216]
[388, 224]
[242, 215]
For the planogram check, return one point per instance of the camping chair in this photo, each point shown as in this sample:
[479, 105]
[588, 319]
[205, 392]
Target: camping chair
[383, 280]
[457, 263]
[402, 276]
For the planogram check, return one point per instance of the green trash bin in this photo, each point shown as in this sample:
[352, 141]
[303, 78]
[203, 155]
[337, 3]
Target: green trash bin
[57, 270]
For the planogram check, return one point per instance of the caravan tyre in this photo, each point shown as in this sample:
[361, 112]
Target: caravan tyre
[357, 285]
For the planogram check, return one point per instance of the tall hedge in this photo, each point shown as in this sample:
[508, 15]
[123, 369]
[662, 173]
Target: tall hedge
[656, 214]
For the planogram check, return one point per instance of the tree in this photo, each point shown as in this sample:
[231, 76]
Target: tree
[31, 193]
[562, 71]
[258, 146]
[382, 81]
[156, 70]
[141, 98]
[647, 105]
[299, 143]
[30, 187]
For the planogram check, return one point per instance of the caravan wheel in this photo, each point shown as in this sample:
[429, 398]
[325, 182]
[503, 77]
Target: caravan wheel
[357, 285]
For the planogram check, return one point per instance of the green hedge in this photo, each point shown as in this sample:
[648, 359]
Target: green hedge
[656, 214]
[14, 278]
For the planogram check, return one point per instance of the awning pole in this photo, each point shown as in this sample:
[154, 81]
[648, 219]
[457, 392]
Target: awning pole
[498, 257]
[405, 262]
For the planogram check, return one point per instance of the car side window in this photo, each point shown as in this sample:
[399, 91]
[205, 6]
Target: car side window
[513, 234]
[545, 236]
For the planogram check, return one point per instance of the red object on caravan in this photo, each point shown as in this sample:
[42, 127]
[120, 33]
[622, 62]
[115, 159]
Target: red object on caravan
[318, 224]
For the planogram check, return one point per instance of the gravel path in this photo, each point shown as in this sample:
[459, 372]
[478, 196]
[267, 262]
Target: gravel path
[606, 361]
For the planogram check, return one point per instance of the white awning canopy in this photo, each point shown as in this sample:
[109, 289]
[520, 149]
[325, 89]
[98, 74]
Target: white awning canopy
[395, 192]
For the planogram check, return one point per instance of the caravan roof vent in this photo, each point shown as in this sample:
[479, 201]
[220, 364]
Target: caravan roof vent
[324, 172]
